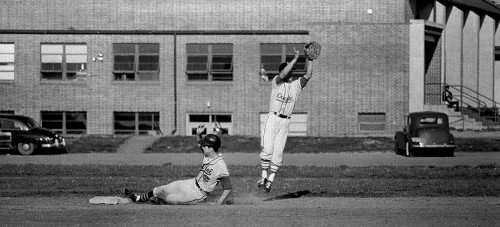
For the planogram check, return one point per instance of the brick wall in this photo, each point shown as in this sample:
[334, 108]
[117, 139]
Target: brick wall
[363, 67]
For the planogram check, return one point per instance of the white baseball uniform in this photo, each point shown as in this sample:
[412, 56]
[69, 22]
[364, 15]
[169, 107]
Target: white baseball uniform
[194, 190]
[283, 98]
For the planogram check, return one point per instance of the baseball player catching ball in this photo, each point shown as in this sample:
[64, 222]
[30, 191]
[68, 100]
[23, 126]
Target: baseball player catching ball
[284, 94]
[195, 190]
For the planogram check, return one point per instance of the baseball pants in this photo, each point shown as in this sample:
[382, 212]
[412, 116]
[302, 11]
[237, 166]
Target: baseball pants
[180, 192]
[273, 139]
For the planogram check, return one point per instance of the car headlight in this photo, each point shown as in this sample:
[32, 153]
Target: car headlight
[415, 140]
[45, 139]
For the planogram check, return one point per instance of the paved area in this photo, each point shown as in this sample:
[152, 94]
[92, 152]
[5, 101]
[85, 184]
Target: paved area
[137, 144]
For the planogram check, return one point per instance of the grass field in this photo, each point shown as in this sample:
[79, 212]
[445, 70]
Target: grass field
[92, 180]
[107, 180]
[183, 144]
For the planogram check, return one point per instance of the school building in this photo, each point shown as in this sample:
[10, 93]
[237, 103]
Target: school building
[146, 66]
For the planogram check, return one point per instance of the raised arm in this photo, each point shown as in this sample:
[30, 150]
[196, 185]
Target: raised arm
[309, 72]
[199, 131]
[288, 67]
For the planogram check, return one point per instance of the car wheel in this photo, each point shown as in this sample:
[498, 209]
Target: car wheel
[26, 148]
[408, 150]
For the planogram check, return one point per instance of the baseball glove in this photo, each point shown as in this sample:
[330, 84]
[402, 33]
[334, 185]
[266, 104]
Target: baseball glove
[312, 50]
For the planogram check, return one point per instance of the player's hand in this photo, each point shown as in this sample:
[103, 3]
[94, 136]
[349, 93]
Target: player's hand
[297, 53]
[200, 129]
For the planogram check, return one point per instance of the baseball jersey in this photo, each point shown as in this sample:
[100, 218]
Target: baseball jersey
[283, 96]
[210, 173]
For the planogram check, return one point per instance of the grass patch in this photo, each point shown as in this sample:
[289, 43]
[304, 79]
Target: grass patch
[477, 144]
[249, 144]
[101, 180]
[187, 144]
[246, 144]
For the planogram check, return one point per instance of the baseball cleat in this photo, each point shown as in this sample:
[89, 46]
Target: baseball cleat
[130, 194]
[261, 182]
[267, 186]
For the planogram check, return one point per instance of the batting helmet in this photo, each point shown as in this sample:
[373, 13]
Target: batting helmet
[211, 140]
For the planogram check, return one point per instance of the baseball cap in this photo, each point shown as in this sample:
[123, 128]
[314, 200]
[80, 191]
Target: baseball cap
[211, 140]
[284, 64]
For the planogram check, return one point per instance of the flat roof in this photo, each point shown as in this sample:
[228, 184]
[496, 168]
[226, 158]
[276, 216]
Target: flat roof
[485, 6]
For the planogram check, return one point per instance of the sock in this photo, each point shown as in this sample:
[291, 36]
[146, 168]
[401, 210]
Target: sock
[264, 165]
[274, 169]
[145, 197]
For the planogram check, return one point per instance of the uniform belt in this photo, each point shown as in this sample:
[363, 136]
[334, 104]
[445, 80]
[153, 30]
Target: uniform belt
[198, 185]
[281, 115]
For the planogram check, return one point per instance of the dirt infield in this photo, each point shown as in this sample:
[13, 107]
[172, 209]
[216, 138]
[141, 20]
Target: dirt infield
[252, 211]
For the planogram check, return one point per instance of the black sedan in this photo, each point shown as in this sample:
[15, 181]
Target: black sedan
[25, 135]
[425, 133]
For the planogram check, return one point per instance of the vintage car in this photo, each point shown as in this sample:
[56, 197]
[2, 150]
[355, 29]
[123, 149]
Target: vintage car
[25, 135]
[425, 133]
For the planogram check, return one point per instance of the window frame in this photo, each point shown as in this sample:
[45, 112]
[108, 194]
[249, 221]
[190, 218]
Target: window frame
[214, 120]
[8, 67]
[270, 70]
[211, 73]
[137, 126]
[65, 122]
[7, 112]
[373, 114]
[135, 74]
[66, 74]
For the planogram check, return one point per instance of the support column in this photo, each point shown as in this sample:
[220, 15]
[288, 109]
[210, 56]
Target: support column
[486, 59]
[417, 65]
[496, 77]
[453, 46]
[470, 70]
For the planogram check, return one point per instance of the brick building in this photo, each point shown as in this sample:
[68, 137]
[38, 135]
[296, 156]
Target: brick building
[136, 66]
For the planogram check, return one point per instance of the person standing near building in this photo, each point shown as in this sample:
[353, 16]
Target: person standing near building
[284, 93]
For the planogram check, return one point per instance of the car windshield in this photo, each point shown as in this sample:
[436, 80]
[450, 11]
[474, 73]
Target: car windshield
[32, 124]
[431, 121]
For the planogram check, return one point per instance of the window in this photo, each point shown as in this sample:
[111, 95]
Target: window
[137, 123]
[136, 61]
[65, 122]
[369, 122]
[7, 124]
[272, 55]
[63, 61]
[9, 112]
[211, 62]
[298, 124]
[431, 121]
[6, 61]
[211, 121]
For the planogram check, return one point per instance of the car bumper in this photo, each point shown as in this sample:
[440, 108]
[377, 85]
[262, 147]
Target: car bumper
[57, 144]
[434, 146]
